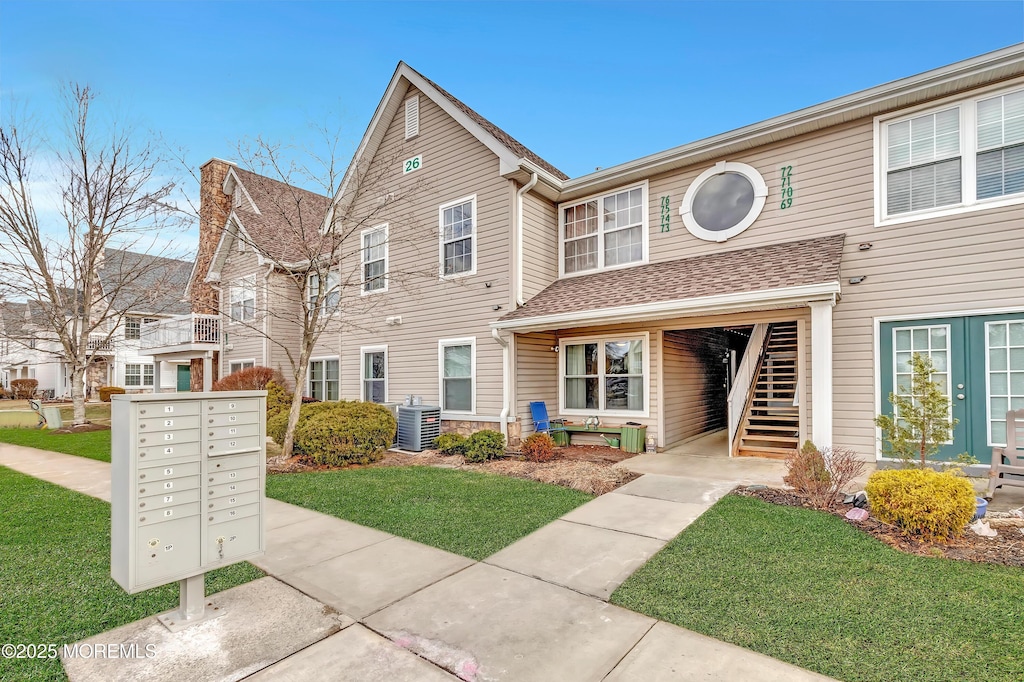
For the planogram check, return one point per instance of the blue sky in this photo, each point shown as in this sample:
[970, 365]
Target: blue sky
[582, 84]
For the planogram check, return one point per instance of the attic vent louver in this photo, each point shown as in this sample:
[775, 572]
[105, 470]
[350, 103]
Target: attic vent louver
[412, 117]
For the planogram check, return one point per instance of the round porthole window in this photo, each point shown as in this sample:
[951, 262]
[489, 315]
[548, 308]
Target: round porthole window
[723, 201]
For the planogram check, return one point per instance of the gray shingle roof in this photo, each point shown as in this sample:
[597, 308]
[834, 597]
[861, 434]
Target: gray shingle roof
[143, 283]
[789, 264]
[287, 228]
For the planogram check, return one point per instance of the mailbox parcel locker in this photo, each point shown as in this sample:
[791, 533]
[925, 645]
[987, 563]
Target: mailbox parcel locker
[188, 479]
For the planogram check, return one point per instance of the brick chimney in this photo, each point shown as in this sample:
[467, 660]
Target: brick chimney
[214, 207]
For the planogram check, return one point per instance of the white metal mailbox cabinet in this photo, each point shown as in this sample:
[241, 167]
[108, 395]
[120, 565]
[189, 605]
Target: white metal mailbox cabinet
[188, 475]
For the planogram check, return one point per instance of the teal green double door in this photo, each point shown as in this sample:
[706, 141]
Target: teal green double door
[978, 361]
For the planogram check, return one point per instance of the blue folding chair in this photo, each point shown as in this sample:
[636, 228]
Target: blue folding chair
[543, 424]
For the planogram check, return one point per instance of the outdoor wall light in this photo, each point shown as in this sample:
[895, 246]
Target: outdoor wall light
[864, 247]
[858, 279]
[496, 307]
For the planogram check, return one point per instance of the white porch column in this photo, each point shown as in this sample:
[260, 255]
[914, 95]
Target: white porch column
[821, 372]
[208, 371]
[159, 378]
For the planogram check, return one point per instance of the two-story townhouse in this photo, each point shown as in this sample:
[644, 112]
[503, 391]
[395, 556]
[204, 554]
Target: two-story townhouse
[736, 295]
[136, 289]
[256, 234]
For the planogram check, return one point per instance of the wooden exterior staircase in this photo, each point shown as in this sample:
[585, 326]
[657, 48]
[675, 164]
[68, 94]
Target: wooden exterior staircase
[771, 421]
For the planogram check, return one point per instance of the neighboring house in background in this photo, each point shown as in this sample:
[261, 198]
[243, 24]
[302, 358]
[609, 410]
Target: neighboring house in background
[753, 289]
[29, 348]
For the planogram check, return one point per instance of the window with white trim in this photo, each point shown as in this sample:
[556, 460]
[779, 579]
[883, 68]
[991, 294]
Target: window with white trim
[375, 374]
[604, 232]
[323, 379]
[243, 300]
[132, 328]
[330, 296]
[239, 365]
[604, 376]
[723, 201]
[961, 156]
[457, 231]
[457, 358]
[375, 259]
[138, 375]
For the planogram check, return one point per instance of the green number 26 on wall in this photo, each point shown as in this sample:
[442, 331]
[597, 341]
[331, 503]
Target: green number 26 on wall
[412, 164]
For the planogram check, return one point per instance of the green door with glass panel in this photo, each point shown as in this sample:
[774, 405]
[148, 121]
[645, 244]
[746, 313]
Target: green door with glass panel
[184, 378]
[978, 361]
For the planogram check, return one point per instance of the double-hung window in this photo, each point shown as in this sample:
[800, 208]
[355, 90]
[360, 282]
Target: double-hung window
[458, 237]
[605, 375]
[375, 374]
[457, 359]
[324, 379]
[138, 375]
[961, 156]
[239, 365]
[604, 232]
[375, 259]
[132, 328]
[328, 296]
[243, 300]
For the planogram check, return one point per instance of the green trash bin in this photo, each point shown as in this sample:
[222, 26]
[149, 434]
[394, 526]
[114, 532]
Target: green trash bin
[634, 438]
[561, 438]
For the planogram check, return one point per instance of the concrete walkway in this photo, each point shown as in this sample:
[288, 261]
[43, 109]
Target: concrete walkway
[536, 610]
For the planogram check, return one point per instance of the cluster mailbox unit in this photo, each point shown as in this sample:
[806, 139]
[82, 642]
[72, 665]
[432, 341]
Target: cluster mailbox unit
[188, 474]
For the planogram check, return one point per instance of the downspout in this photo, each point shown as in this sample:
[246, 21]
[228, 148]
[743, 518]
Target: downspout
[519, 238]
[506, 382]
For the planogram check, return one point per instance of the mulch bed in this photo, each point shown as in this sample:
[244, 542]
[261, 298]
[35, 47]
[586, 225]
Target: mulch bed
[590, 468]
[1006, 549]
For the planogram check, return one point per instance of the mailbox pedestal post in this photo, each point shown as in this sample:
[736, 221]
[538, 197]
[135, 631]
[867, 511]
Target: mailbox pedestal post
[191, 605]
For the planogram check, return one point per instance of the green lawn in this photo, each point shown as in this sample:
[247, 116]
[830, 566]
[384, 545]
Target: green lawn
[91, 444]
[468, 513]
[55, 584]
[806, 587]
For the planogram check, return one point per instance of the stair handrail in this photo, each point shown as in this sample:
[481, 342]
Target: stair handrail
[745, 375]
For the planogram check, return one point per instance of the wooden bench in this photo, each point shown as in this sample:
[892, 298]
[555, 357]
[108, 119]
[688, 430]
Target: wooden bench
[616, 431]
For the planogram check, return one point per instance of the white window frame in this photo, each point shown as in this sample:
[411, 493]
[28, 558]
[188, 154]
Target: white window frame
[324, 300]
[231, 365]
[644, 229]
[441, 345]
[237, 293]
[363, 352]
[968, 159]
[473, 237]
[363, 291]
[988, 382]
[309, 376]
[760, 197]
[613, 338]
[142, 376]
[137, 326]
[949, 366]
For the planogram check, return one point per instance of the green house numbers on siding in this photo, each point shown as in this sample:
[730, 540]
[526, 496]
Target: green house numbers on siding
[413, 164]
[786, 189]
[666, 213]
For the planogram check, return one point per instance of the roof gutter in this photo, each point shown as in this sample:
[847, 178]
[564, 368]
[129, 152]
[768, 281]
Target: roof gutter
[534, 177]
[784, 297]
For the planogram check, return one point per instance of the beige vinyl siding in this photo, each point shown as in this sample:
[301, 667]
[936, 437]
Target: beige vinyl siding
[284, 325]
[246, 340]
[962, 263]
[455, 165]
[534, 358]
[694, 392]
[540, 244]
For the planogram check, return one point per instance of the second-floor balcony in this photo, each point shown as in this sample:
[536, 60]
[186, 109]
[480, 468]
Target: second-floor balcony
[181, 333]
[100, 344]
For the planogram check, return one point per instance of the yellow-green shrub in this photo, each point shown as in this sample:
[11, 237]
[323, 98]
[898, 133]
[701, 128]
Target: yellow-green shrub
[922, 502]
[107, 391]
[344, 432]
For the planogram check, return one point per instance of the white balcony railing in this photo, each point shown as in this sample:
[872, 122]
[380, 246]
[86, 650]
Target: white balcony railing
[99, 343]
[183, 330]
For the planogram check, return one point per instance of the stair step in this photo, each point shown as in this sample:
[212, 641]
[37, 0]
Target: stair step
[777, 419]
[771, 427]
[770, 453]
[769, 438]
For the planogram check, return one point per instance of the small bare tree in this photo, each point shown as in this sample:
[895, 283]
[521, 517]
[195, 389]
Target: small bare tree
[310, 241]
[97, 188]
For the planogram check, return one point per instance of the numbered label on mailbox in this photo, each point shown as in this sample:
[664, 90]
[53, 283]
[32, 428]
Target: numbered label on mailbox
[168, 422]
[168, 408]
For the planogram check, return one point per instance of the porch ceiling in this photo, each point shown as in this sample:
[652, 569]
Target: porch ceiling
[774, 276]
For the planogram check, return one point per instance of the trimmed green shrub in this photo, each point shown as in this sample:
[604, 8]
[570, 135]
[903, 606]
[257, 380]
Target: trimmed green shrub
[278, 400]
[451, 444]
[922, 502]
[485, 445]
[107, 391]
[539, 447]
[344, 432]
[277, 425]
